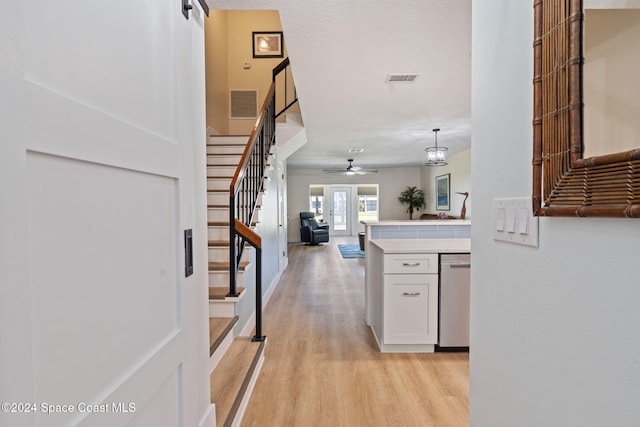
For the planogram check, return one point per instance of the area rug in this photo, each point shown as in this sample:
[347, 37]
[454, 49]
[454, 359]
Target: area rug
[351, 251]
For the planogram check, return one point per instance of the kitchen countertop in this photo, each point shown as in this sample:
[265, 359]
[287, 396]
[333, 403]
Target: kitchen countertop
[408, 246]
[419, 222]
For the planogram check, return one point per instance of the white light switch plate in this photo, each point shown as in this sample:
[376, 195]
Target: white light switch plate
[513, 222]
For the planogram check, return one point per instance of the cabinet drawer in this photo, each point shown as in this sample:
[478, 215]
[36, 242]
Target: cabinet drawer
[410, 263]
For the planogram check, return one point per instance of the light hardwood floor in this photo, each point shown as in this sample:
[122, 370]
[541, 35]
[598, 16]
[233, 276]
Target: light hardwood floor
[322, 365]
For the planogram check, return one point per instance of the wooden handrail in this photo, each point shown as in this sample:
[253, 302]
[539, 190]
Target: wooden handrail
[279, 68]
[248, 234]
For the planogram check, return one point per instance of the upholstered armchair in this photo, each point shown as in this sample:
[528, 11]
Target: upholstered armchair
[310, 231]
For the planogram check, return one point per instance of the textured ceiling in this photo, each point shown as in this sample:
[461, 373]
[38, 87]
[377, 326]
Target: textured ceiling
[341, 53]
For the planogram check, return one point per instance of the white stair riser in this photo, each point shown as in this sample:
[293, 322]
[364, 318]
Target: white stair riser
[216, 357]
[213, 159]
[218, 253]
[225, 139]
[229, 170]
[222, 308]
[217, 214]
[218, 232]
[218, 183]
[221, 278]
[218, 199]
[222, 198]
[225, 149]
[221, 253]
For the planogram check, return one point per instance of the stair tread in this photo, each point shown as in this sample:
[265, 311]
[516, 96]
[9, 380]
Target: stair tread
[218, 243]
[230, 379]
[258, 206]
[226, 144]
[226, 224]
[217, 293]
[219, 328]
[224, 265]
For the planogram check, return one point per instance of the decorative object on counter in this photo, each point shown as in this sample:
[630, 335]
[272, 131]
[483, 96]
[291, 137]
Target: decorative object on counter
[442, 192]
[463, 211]
[414, 197]
[439, 215]
[435, 156]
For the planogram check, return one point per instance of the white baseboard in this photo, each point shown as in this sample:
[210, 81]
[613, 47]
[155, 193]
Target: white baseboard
[272, 287]
[209, 417]
[248, 327]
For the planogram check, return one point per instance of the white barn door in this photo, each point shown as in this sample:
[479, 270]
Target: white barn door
[102, 139]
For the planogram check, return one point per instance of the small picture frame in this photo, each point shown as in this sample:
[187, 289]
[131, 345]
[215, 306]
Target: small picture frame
[442, 192]
[267, 44]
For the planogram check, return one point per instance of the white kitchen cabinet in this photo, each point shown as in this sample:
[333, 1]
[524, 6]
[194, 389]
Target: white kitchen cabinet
[410, 309]
[404, 301]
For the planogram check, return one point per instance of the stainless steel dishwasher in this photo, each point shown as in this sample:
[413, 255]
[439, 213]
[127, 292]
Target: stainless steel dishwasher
[455, 275]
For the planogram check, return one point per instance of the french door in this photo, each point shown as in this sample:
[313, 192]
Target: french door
[340, 211]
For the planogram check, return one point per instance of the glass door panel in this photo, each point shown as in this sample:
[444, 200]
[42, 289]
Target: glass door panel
[340, 212]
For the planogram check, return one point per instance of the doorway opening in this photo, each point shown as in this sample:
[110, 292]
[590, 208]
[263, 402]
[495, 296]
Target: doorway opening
[344, 206]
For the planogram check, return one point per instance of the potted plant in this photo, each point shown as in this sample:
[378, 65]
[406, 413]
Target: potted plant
[414, 197]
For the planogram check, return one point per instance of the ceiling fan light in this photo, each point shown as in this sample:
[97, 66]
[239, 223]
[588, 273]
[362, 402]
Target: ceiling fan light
[349, 172]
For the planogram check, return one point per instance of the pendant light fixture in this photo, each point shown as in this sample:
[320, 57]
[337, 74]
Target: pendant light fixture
[435, 156]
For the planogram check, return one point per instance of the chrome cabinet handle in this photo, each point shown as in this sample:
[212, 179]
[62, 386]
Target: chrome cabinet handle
[410, 294]
[410, 264]
[460, 265]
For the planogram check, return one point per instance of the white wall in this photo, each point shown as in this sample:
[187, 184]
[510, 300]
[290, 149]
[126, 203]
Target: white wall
[554, 330]
[217, 72]
[392, 181]
[228, 49]
[268, 229]
[459, 167]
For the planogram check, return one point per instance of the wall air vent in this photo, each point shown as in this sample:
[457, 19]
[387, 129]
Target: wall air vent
[243, 104]
[402, 78]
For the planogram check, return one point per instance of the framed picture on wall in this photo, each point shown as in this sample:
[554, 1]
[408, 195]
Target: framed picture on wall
[442, 192]
[267, 44]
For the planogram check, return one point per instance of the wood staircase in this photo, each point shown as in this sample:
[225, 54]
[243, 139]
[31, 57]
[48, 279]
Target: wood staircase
[235, 361]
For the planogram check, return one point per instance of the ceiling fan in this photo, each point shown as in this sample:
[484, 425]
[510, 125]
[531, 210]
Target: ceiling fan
[351, 170]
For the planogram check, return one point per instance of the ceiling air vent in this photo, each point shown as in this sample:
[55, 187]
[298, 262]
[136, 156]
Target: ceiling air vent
[402, 78]
[244, 104]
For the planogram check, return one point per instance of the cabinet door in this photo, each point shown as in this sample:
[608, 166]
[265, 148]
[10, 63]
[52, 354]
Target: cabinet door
[410, 309]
